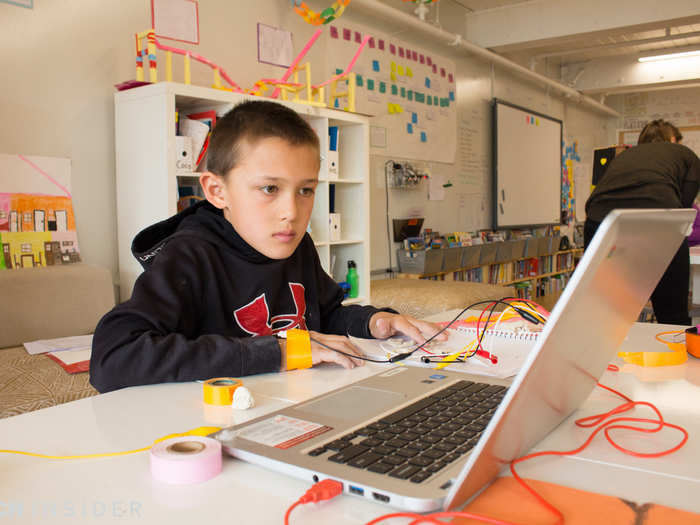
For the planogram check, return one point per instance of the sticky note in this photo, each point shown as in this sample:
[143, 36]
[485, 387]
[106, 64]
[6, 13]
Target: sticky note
[358, 37]
[401, 52]
[434, 69]
[430, 100]
[409, 95]
[347, 34]
[427, 82]
[422, 59]
[409, 128]
[423, 137]
[334, 32]
[358, 80]
[393, 66]
[403, 92]
[390, 108]
[380, 44]
[414, 118]
[537, 122]
[371, 41]
[375, 65]
[452, 96]
[394, 89]
[442, 72]
[451, 77]
[398, 108]
[409, 72]
[401, 70]
[370, 84]
[392, 75]
[382, 87]
[414, 55]
[392, 49]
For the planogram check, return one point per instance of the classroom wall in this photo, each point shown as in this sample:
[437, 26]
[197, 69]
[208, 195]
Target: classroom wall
[62, 58]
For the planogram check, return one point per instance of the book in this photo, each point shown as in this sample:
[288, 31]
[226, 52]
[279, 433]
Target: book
[72, 361]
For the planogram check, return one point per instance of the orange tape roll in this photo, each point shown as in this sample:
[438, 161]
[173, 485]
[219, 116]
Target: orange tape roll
[219, 390]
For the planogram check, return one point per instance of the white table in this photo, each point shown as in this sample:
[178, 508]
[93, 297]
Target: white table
[34, 490]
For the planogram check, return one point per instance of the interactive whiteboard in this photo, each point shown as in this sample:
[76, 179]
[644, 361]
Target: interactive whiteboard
[527, 167]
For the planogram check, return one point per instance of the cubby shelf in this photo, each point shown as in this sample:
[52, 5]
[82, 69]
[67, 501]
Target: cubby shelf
[147, 185]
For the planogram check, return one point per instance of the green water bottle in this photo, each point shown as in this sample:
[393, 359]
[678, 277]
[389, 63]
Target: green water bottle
[352, 279]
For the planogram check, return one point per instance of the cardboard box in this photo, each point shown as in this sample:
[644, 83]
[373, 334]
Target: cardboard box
[333, 168]
[184, 163]
[334, 226]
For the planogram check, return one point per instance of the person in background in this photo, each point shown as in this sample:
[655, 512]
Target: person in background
[657, 173]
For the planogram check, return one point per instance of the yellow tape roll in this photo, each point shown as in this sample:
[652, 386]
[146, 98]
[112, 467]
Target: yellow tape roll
[219, 390]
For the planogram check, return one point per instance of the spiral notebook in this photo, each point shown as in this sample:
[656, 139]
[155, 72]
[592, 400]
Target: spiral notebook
[510, 347]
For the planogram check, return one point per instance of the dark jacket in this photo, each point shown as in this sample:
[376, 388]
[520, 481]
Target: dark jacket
[652, 175]
[208, 304]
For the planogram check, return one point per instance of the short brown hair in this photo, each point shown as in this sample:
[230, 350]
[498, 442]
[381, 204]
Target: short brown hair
[659, 130]
[252, 121]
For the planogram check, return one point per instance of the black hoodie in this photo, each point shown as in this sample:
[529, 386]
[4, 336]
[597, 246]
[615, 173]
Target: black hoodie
[208, 304]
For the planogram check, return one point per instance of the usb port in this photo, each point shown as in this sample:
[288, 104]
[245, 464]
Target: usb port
[380, 497]
[356, 490]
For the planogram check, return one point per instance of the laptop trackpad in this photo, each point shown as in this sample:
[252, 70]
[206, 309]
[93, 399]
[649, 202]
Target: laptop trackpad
[353, 403]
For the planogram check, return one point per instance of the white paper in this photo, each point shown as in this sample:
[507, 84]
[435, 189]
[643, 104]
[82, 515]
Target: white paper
[274, 46]
[176, 19]
[511, 353]
[377, 137]
[70, 357]
[197, 131]
[435, 190]
[42, 346]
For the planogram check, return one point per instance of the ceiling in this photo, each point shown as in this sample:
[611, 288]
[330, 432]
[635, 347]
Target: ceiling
[583, 47]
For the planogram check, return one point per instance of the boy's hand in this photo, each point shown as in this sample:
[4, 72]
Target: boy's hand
[320, 354]
[385, 324]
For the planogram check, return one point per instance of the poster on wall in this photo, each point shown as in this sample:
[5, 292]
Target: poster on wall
[176, 20]
[408, 91]
[37, 223]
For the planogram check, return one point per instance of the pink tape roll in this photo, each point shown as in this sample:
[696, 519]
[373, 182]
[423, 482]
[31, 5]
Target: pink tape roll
[186, 459]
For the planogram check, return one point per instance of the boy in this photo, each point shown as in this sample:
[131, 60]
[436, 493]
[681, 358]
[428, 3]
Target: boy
[224, 276]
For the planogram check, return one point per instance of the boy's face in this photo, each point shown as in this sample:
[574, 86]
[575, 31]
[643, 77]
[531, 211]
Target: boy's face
[269, 195]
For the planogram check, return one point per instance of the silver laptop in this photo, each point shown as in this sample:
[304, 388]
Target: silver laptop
[421, 440]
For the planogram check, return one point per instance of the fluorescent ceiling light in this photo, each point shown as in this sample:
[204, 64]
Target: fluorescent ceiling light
[669, 56]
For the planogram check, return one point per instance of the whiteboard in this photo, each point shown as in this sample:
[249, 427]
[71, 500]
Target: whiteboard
[527, 167]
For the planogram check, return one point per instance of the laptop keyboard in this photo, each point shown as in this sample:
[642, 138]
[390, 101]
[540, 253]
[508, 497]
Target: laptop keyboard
[421, 439]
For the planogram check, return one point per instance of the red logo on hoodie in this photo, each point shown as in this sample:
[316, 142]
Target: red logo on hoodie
[254, 318]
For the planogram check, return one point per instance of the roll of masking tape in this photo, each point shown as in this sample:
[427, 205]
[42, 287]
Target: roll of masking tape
[219, 390]
[186, 459]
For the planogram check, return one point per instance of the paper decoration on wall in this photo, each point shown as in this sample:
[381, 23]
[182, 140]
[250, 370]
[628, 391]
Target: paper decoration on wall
[176, 20]
[29, 4]
[568, 202]
[413, 100]
[274, 46]
[324, 17]
[37, 223]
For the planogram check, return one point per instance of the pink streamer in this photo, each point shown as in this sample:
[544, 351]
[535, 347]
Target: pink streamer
[347, 69]
[291, 68]
[37, 168]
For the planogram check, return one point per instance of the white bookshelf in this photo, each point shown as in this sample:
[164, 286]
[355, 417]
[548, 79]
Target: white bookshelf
[147, 185]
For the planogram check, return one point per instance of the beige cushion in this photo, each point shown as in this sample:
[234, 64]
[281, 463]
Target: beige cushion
[422, 297]
[55, 301]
